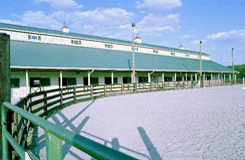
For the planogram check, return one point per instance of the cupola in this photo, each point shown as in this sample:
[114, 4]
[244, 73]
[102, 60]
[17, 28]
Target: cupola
[137, 39]
[181, 47]
[65, 29]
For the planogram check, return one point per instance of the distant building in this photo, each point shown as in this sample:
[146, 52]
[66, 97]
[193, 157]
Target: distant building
[45, 59]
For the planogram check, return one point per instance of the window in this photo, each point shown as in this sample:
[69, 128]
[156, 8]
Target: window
[178, 78]
[135, 48]
[35, 82]
[76, 42]
[72, 81]
[93, 80]
[143, 79]
[85, 81]
[187, 55]
[126, 80]
[15, 83]
[107, 80]
[68, 81]
[155, 51]
[108, 46]
[45, 82]
[168, 79]
[172, 53]
[34, 37]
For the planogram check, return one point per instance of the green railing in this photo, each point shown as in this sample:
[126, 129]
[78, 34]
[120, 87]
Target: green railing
[33, 108]
[54, 136]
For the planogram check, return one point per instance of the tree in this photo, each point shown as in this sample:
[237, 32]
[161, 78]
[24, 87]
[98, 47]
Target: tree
[240, 69]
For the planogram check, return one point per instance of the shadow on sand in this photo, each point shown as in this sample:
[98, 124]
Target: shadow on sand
[66, 123]
[149, 145]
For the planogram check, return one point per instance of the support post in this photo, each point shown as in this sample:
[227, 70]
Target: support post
[53, 147]
[149, 76]
[5, 90]
[27, 83]
[201, 80]
[112, 78]
[61, 79]
[224, 79]
[175, 76]
[162, 77]
[133, 78]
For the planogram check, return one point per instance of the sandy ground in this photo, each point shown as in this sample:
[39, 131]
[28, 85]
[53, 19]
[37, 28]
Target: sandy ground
[188, 124]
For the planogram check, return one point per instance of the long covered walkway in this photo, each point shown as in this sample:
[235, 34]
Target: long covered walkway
[182, 124]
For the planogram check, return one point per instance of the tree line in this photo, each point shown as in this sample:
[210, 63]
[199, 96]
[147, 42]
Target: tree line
[240, 69]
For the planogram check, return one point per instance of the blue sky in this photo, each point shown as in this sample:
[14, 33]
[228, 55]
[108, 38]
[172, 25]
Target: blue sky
[220, 24]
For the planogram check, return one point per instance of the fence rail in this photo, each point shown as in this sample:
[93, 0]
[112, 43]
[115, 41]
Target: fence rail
[16, 121]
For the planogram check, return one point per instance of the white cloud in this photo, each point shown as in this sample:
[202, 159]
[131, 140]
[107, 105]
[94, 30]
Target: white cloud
[62, 4]
[159, 4]
[196, 42]
[186, 37]
[39, 19]
[108, 17]
[10, 22]
[154, 25]
[102, 22]
[234, 34]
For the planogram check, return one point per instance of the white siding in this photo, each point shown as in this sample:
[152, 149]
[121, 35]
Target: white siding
[92, 44]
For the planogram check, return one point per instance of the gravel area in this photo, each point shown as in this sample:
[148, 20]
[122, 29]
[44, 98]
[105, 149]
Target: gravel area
[189, 124]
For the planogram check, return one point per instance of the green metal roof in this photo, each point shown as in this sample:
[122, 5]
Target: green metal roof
[37, 55]
[83, 36]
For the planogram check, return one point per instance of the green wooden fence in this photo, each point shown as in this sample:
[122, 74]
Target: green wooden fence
[17, 119]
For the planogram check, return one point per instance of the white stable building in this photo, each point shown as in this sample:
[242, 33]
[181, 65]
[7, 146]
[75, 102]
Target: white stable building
[44, 59]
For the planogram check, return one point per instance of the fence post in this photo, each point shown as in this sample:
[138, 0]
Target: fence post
[15, 131]
[61, 96]
[135, 87]
[122, 89]
[75, 94]
[5, 90]
[163, 86]
[91, 91]
[4, 147]
[105, 90]
[45, 102]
